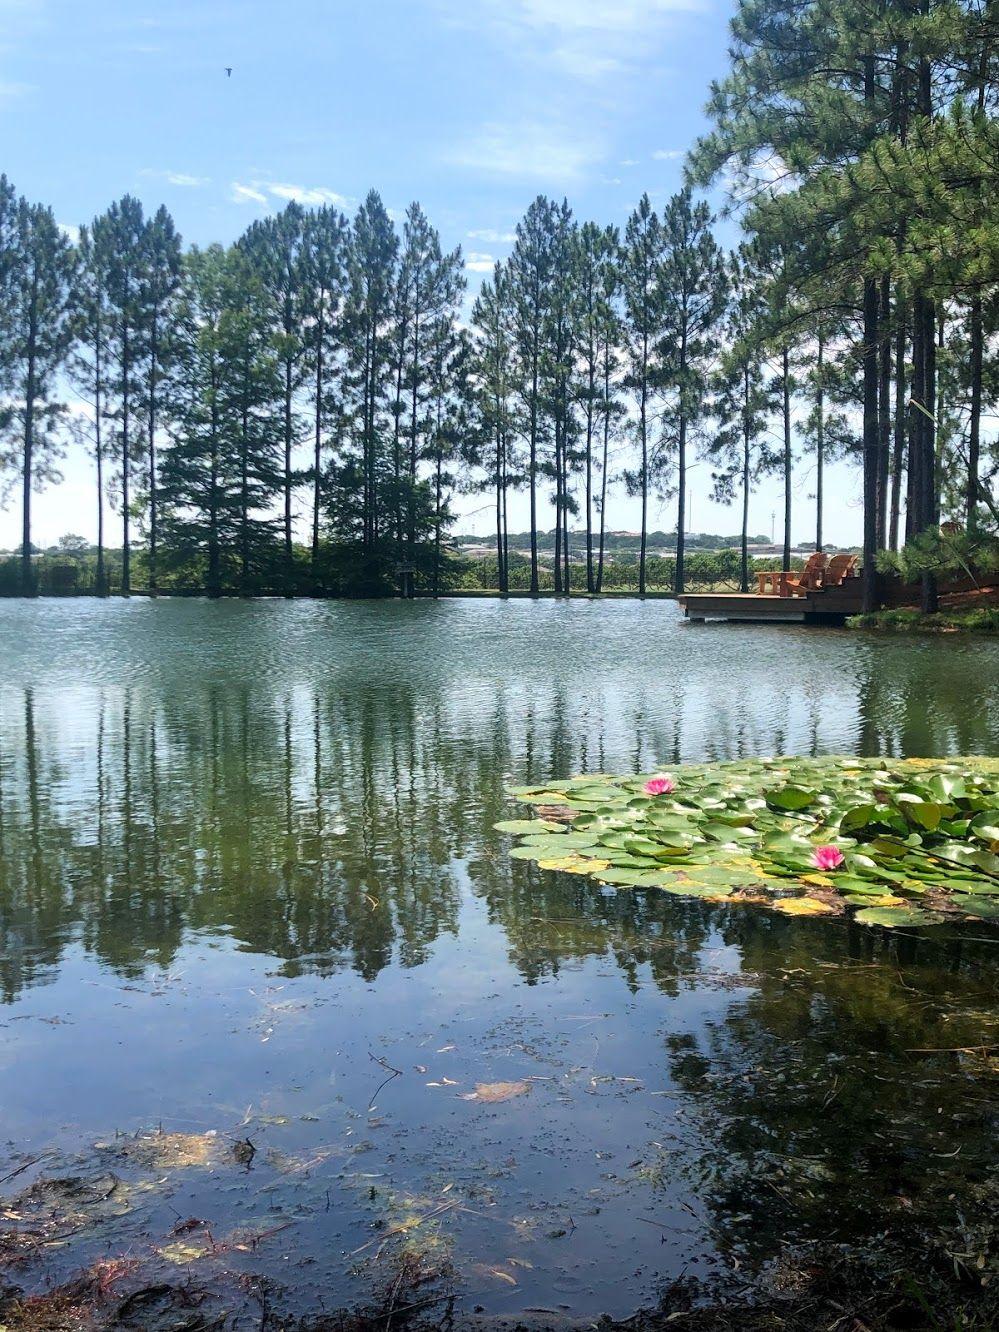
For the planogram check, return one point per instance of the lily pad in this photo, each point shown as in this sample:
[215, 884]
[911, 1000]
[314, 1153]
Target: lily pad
[907, 829]
[803, 906]
[892, 917]
[520, 827]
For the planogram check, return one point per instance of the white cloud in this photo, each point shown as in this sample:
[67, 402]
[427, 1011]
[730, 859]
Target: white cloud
[9, 91]
[180, 178]
[70, 231]
[597, 15]
[667, 154]
[479, 263]
[267, 191]
[304, 194]
[526, 152]
[493, 236]
[589, 40]
[247, 194]
[627, 162]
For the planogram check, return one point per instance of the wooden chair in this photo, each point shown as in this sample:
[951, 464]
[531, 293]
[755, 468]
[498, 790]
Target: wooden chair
[839, 569]
[787, 583]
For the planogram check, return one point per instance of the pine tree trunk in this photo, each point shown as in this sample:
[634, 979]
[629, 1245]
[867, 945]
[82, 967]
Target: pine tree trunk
[681, 505]
[567, 573]
[214, 566]
[679, 572]
[928, 594]
[898, 447]
[744, 563]
[505, 586]
[871, 445]
[499, 511]
[28, 586]
[126, 553]
[153, 496]
[643, 426]
[557, 569]
[317, 455]
[437, 529]
[786, 400]
[820, 445]
[289, 556]
[884, 412]
[603, 478]
[871, 438]
[928, 391]
[413, 428]
[244, 493]
[533, 469]
[101, 582]
[975, 424]
[589, 468]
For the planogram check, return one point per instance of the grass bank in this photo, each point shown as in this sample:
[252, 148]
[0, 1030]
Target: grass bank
[979, 620]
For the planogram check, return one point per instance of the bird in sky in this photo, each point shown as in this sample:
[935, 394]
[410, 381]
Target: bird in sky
[228, 71]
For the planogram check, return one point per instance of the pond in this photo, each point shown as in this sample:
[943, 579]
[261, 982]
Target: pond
[260, 945]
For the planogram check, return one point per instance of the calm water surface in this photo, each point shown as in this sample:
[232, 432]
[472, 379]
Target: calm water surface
[247, 871]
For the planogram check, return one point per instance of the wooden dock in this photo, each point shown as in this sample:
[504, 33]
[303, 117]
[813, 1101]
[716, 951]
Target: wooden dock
[824, 606]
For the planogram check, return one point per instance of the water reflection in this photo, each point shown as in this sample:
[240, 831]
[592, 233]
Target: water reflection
[318, 811]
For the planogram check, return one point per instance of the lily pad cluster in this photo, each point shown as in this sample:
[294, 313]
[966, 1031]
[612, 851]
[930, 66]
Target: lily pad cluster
[900, 842]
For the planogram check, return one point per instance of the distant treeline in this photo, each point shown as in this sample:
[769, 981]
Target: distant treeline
[71, 569]
[613, 541]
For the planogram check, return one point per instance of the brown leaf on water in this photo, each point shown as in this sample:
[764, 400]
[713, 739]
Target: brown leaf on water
[492, 1092]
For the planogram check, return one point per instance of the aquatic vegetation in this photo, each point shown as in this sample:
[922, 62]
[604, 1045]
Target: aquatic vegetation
[899, 842]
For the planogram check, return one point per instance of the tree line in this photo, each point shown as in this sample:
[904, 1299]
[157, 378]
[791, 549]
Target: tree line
[329, 364]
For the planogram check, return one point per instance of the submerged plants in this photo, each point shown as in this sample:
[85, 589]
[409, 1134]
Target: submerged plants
[899, 842]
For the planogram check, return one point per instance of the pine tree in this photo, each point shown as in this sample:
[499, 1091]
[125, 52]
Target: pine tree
[595, 276]
[695, 292]
[826, 432]
[740, 450]
[429, 285]
[119, 241]
[493, 374]
[254, 387]
[642, 259]
[373, 263]
[8, 268]
[89, 368]
[161, 279]
[39, 330]
[325, 246]
[532, 275]
[560, 334]
[218, 473]
[275, 246]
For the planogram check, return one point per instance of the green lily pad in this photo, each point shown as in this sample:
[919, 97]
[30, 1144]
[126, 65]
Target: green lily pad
[892, 917]
[986, 908]
[906, 828]
[523, 826]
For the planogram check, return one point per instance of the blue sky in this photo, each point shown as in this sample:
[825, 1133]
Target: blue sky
[470, 106]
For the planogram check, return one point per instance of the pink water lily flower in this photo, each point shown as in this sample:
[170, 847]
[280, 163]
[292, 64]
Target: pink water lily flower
[661, 784]
[827, 857]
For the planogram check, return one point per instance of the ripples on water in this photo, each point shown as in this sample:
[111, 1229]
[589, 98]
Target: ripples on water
[247, 848]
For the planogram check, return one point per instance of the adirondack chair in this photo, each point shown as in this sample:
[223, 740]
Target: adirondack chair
[839, 569]
[785, 582]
